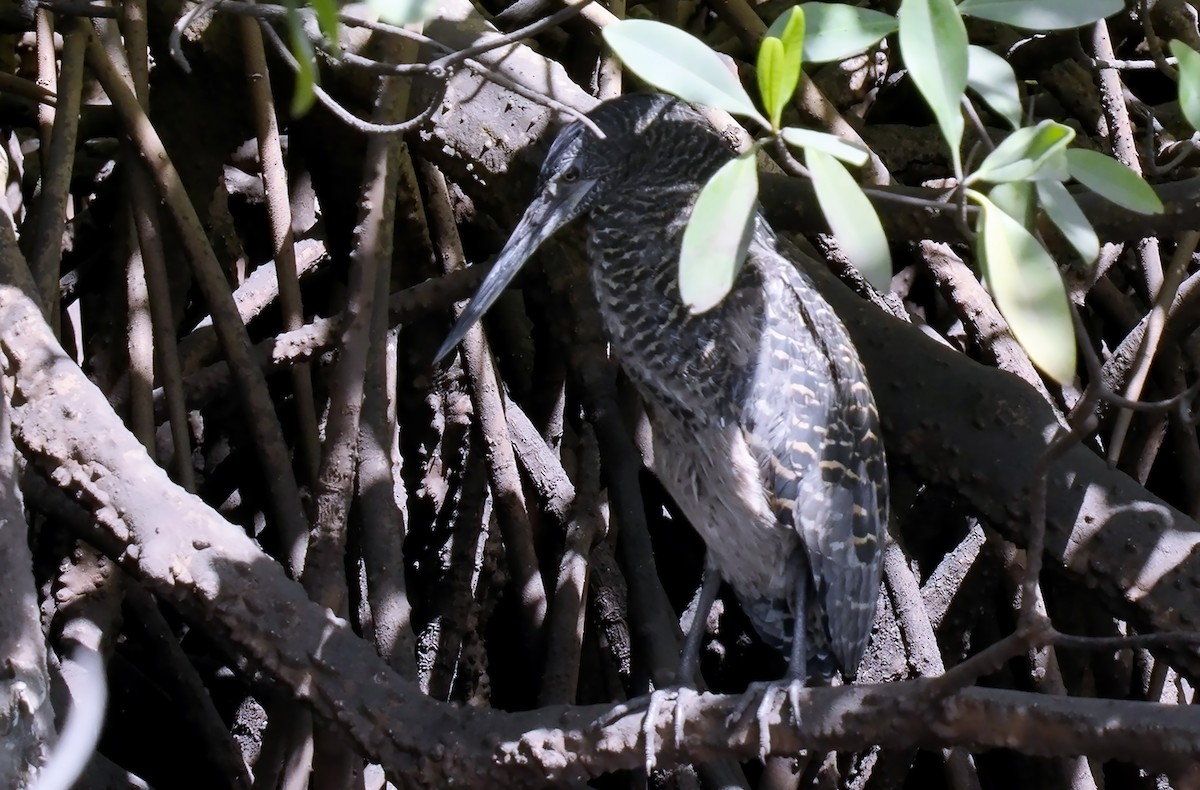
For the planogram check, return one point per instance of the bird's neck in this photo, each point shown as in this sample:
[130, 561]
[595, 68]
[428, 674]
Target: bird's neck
[681, 362]
[634, 243]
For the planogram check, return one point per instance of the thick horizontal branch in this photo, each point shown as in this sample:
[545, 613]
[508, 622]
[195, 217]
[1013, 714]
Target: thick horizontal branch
[898, 716]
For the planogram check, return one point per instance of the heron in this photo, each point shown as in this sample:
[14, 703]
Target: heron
[765, 431]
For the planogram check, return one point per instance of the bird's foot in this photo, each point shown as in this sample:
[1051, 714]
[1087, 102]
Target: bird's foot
[659, 699]
[762, 698]
[654, 705]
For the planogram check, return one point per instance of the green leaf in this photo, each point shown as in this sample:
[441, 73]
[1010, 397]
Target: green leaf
[1189, 81]
[933, 41]
[830, 144]
[327, 19]
[990, 76]
[1041, 14]
[403, 12]
[1028, 290]
[1014, 198]
[779, 58]
[788, 27]
[851, 217]
[1064, 212]
[306, 64]
[772, 79]
[837, 31]
[718, 234]
[1113, 181]
[679, 63]
[1026, 153]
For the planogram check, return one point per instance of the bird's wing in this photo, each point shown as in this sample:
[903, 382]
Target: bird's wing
[810, 419]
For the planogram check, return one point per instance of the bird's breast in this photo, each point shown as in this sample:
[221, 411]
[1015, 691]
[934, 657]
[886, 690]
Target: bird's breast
[715, 481]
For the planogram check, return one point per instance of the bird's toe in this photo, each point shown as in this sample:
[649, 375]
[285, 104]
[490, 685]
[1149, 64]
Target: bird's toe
[761, 699]
[752, 708]
[657, 702]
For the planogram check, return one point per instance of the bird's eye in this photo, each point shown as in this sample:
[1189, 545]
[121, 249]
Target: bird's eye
[570, 174]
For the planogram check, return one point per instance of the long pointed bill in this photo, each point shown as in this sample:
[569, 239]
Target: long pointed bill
[554, 207]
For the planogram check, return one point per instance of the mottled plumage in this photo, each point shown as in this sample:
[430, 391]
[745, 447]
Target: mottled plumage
[765, 430]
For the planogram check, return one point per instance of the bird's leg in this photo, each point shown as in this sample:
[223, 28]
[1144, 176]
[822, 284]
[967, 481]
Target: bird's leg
[797, 672]
[689, 665]
[798, 659]
[689, 656]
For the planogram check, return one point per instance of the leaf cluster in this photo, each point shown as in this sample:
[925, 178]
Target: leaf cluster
[1022, 176]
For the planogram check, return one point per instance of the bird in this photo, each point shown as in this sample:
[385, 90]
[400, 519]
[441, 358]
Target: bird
[765, 430]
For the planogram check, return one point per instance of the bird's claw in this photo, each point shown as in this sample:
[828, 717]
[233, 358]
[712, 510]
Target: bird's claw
[658, 698]
[654, 705]
[677, 717]
[763, 698]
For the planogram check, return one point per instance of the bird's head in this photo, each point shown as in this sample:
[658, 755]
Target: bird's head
[652, 143]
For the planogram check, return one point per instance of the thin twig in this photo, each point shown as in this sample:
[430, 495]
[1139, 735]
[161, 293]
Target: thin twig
[446, 63]
[331, 104]
[1185, 245]
[1153, 42]
[79, 8]
[44, 245]
[175, 40]
[1132, 65]
[279, 215]
[1124, 147]
[19, 86]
